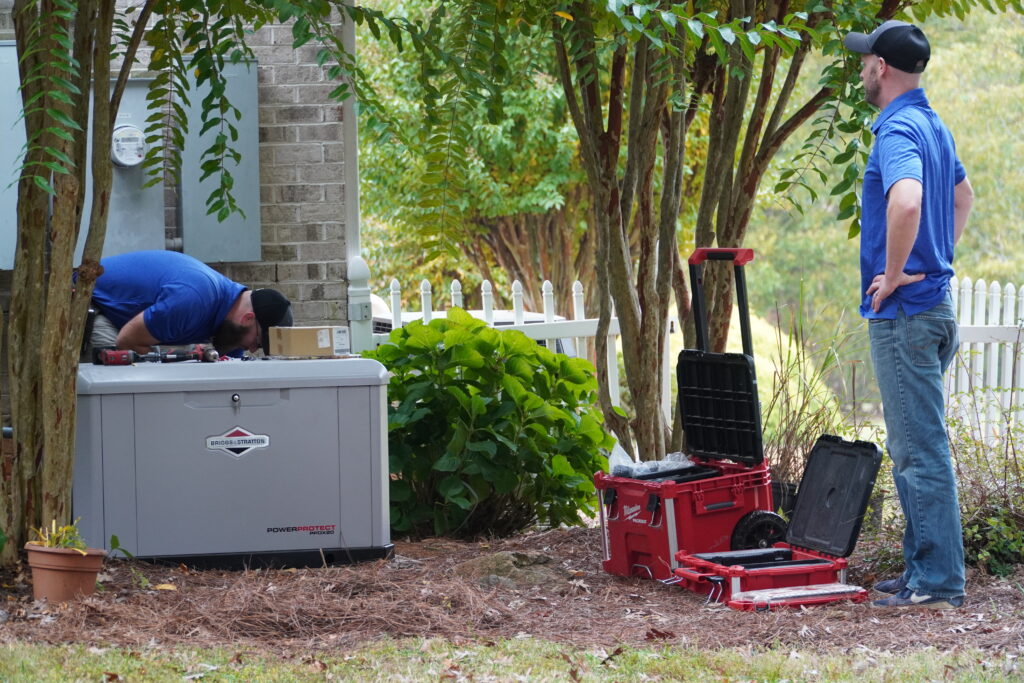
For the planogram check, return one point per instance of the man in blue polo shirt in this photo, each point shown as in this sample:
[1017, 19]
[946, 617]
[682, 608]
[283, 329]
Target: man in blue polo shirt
[915, 203]
[146, 298]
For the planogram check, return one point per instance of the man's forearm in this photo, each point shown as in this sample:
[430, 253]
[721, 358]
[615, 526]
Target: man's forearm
[963, 201]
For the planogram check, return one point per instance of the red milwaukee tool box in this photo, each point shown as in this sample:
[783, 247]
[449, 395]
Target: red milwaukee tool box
[722, 500]
[809, 567]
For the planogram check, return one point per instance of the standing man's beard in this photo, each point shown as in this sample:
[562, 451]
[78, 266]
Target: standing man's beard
[229, 336]
[871, 94]
[871, 90]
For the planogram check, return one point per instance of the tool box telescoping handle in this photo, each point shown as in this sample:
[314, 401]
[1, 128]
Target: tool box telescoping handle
[739, 257]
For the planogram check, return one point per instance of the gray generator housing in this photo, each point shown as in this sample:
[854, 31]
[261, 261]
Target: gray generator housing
[235, 463]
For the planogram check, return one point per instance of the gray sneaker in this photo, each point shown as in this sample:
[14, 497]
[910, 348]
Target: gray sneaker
[891, 586]
[908, 598]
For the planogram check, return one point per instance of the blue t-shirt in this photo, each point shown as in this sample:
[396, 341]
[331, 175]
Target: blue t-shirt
[910, 142]
[183, 300]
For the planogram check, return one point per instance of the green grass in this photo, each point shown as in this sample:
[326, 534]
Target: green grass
[507, 660]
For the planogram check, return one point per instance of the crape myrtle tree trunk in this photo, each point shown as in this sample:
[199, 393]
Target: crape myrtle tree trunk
[534, 247]
[632, 117]
[65, 52]
[64, 59]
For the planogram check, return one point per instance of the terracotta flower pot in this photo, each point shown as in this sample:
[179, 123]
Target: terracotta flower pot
[62, 574]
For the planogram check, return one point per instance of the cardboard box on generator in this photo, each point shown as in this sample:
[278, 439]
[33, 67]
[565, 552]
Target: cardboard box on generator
[310, 342]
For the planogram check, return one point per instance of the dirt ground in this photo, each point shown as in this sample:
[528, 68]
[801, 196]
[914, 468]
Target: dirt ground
[427, 590]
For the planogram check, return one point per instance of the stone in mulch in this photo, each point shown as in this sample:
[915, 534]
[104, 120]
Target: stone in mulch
[510, 569]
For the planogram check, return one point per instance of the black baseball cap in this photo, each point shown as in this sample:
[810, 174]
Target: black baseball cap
[900, 44]
[272, 309]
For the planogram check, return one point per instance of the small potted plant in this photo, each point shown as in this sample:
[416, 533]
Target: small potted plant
[63, 568]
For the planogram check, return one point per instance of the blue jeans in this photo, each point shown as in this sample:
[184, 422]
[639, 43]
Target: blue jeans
[910, 355]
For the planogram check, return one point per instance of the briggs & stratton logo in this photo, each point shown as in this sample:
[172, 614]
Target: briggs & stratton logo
[237, 441]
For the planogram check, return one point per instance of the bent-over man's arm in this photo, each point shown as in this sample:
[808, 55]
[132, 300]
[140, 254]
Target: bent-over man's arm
[136, 336]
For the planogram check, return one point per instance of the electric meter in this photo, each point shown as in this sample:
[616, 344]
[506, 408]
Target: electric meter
[128, 147]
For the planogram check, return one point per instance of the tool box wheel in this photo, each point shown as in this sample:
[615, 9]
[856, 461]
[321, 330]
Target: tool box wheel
[758, 529]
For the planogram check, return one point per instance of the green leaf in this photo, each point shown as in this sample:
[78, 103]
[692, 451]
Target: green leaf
[43, 184]
[505, 481]
[514, 387]
[560, 466]
[451, 486]
[63, 119]
[466, 356]
[695, 27]
[487, 447]
[400, 491]
[479, 405]
[462, 502]
[461, 396]
[448, 462]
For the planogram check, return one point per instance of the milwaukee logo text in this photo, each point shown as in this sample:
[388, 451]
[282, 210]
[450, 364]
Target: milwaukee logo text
[630, 512]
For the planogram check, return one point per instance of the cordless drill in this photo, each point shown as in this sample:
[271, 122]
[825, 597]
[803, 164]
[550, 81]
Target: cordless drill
[109, 356]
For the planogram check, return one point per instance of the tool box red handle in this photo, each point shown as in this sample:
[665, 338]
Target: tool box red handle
[691, 575]
[739, 257]
[700, 321]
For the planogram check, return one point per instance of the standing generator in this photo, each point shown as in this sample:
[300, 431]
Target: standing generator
[257, 463]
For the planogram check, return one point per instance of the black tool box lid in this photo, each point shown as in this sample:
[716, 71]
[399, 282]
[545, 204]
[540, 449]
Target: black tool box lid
[833, 495]
[718, 405]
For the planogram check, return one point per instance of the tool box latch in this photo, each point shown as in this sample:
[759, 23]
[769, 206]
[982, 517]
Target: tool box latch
[653, 502]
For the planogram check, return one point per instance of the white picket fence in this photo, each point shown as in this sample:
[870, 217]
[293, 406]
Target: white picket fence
[547, 326]
[987, 377]
[984, 386]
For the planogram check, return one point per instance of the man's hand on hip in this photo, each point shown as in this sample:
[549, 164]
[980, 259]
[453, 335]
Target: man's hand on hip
[881, 287]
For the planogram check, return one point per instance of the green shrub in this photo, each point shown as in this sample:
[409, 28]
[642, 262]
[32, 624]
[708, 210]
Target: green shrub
[488, 431]
[991, 483]
[995, 543]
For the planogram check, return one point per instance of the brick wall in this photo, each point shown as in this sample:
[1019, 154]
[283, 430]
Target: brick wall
[302, 181]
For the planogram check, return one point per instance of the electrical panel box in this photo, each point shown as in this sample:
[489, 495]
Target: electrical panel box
[136, 219]
[12, 132]
[238, 238]
[137, 213]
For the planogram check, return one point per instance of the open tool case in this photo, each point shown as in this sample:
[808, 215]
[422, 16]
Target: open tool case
[810, 567]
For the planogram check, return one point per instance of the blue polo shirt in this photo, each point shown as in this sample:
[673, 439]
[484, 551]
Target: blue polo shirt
[183, 301]
[910, 142]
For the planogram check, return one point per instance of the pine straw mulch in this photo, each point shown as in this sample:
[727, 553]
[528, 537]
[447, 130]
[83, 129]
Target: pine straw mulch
[419, 593]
